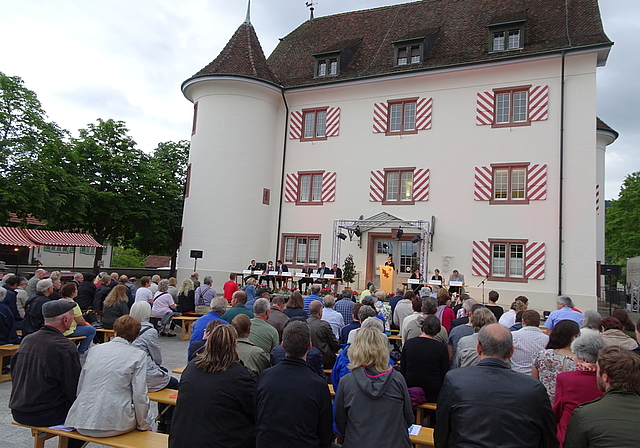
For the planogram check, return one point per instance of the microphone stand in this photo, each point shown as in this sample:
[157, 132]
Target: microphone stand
[482, 283]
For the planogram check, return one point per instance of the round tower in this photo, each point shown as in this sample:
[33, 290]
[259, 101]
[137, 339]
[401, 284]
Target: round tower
[235, 161]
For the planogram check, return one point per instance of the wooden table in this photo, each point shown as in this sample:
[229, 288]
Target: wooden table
[420, 411]
[185, 326]
[164, 396]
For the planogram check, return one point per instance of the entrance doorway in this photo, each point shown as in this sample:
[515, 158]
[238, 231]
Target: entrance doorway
[405, 254]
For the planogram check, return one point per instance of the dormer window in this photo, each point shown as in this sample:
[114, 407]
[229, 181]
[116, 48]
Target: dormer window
[327, 67]
[409, 52]
[506, 36]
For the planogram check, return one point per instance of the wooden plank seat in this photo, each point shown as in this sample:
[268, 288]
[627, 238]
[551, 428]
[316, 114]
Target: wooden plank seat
[163, 396]
[424, 438]
[107, 334]
[7, 350]
[133, 439]
[421, 409]
[185, 326]
[179, 370]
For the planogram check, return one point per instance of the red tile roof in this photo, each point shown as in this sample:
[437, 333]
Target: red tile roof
[30, 220]
[459, 28]
[157, 261]
[463, 36]
[242, 55]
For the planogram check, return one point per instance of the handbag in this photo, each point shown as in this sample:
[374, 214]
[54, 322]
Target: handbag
[90, 317]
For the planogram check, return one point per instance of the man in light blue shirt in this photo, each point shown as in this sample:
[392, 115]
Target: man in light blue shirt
[331, 316]
[564, 311]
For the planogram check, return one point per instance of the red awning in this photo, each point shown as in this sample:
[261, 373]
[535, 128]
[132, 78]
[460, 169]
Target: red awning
[12, 236]
[51, 238]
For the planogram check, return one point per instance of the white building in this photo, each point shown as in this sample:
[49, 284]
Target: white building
[478, 116]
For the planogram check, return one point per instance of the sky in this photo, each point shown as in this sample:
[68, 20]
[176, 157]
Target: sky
[126, 60]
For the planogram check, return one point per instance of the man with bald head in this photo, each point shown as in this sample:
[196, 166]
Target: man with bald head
[519, 407]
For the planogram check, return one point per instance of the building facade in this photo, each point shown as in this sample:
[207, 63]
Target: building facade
[451, 135]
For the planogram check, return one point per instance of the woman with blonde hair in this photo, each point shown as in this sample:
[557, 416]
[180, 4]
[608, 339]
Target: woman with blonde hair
[215, 387]
[372, 384]
[186, 301]
[115, 305]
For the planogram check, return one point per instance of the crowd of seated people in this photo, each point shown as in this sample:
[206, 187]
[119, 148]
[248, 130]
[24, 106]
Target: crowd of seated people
[246, 372]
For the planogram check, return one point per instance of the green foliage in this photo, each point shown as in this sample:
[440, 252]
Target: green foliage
[127, 258]
[33, 155]
[622, 222]
[99, 183]
[349, 270]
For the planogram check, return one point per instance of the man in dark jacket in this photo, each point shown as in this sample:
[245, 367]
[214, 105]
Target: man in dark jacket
[86, 292]
[33, 319]
[610, 421]
[521, 415]
[322, 336]
[45, 369]
[289, 389]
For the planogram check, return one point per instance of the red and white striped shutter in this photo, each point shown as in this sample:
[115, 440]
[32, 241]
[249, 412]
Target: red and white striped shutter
[333, 121]
[329, 187]
[538, 103]
[380, 117]
[295, 125]
[535, 260]
[424, 107]
[421, 184]
[480, 258]
[291, 187]
[598, 199]
[537, 182]
[484, 108]
[482, 184]
[376, 186]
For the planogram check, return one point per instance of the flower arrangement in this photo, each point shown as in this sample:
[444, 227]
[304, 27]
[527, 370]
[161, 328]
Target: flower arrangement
[325, 291]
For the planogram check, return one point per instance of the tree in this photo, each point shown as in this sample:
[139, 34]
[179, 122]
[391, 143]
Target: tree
[622, 234]
[33, 155]
[112, 173]
[164, 190]
[349, 270]
[127, 258]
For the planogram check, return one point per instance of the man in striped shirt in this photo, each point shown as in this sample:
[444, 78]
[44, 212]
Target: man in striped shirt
[527, 341]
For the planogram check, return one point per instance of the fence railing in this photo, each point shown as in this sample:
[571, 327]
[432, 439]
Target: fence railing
[612, 298]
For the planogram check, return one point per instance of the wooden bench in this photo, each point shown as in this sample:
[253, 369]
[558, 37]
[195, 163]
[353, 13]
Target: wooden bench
[164, 396]
[421, 409]
[106, 334]
[179, 370]
[7, 350]
[133, 439]
[185, 326]
[424, 438]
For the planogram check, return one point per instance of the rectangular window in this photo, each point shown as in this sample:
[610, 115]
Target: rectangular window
[315, 124]
[402, 117]
[300, 250]
[59, 249]
[310, 188]
[195, 118]
[398, 186]
[90, 250]
[509, 184]
[511, 107]
[507, 260]
[326, 67]
[408, 256]
[406, 54]
[187, 182]
[506, 37]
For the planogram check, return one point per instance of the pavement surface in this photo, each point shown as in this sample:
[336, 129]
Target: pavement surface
[174, 355]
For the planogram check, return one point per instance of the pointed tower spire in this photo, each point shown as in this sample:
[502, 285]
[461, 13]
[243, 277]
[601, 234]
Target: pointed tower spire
[248, 18]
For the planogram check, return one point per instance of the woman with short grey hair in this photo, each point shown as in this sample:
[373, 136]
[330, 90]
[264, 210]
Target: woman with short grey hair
[591, 323]
[578, 386]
